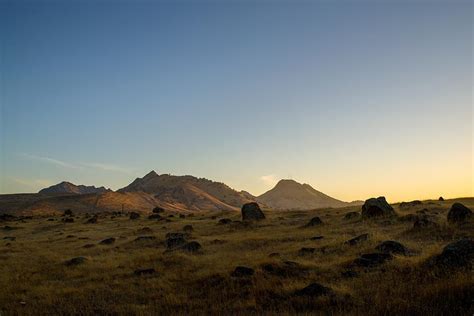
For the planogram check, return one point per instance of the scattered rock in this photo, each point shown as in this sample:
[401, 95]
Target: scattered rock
[306, 251]
[274, 255]
[377, 207]
[357, 240]
[409, 218]
[424, 223]
[75, 261]
[177, 235]
[7, 217]
[88, 246]
[240, 272]
[458, 254]
[134, 215]
[313, 290]
[145, 238]
[192, 246]
[224, 221]
[351, 215]
[441, 198]
[218, 242]
[68, 220]
[140, 272]
[182, 216]
[372, 259]
[158, 210]
[175, 242]
[392, 247]
[252, 211]
[188, 228]
[459, 213]
[316, 238]
[315, 221]
[155, 216]
[68, 213]
[11, 238]
[411, 204]
[108, 241]
[50, 220]
[92, 220]
[144, 230]
[285, 269]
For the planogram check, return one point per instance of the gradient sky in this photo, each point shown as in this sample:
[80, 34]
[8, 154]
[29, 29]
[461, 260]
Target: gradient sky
[356, 98]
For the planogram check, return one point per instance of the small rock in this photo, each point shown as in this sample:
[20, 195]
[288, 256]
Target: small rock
[357, 240]
[424, 223]
[76, 261]
[88, 246]
[274, 255]
[224, 221]
[188, 228]
[306, 251]
[392, 247]
[441, 198]
[315, 221]
[313, 290]
[92, 220]
[316, 238]
[11, 238]
[372, 259]
[140, 272]
[68, 220]
[192, 246]
[174, 242]
[158, 210]
[349, 274]
[134, 215]
[68, 213]
[182, 216]
[351, 215]
[145, 238]
[155, 216]
[108, 241]
[242, 272]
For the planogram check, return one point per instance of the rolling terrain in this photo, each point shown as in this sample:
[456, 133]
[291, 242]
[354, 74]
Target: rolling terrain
[212, 262]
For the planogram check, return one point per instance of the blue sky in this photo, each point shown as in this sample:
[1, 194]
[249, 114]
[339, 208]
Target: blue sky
[356, 98]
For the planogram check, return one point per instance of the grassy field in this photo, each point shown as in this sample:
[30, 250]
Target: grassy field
[35, 280]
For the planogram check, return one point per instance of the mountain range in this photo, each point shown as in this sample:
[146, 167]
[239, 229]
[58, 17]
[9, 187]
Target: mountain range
[178, 193]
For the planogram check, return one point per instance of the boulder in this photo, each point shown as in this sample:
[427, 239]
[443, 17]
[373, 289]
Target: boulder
[458, 254]
[424, 222]
[372, 259]
[175, 242]
[158, 210]
[240, 272]
[75, 261]
[68, 213]
[357, 240]
[351, 215]
[313, 290]
[376, 207]
[192, 246]
[252, 211]
[315, 221]
[134, 215]
[108, 241]
[459, 213]
[392, 247]
[441, 199]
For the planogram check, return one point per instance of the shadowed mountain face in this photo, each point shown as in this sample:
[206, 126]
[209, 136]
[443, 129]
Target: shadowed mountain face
[189, 192]
[289, 194]
[70, 188]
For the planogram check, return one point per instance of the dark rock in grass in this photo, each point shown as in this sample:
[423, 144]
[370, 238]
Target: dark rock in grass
[7, 217]
[316, 238]
[155, 216]
[50, 220]
[459, 214]
[224, 221]
[92, 220]
[218, 242]
[274, 255]
[140, 272]
[108, 241]
[134, 215]
[351, 215]
[182, 216]
[88, 246]
[372, 259]
[409, 218]
[68, 220]
[68, 213]
[158, 210]
[315, 221]
[177, 235]
[175, 242]
[406, 205]
[11, 238]
[240, 272]
[8, 228]
[424, 223]
[349, 274]
[145, 238]
[252, 211]
[376, 208]
[284, 269]
[171, 215]
[192, 246]
[70, 236]
[144, 230]
[188, 228]
[357, 240]
[441, 199]
[392, 247]
[75, 261]
[306, 251]
[313, 290]
[458, 254]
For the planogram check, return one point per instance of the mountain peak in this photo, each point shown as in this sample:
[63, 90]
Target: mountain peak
[66, 187]
[150, 174]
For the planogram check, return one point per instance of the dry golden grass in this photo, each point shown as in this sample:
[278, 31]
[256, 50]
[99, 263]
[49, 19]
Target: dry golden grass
[35, 281]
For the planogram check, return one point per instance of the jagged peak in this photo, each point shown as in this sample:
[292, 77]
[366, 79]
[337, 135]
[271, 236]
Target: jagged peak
[150, 174]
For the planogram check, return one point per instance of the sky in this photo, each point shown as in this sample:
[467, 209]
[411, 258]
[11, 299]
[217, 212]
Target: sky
[356, 98]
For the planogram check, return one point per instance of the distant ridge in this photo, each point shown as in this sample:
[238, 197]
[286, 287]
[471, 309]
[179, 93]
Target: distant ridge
[70, 188]
[189, 192]
[291, 195]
